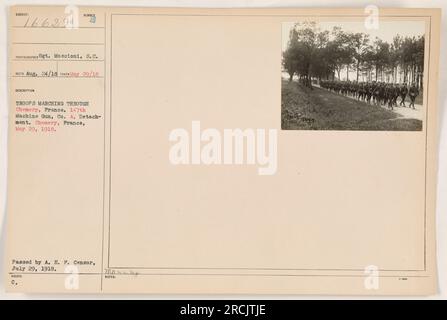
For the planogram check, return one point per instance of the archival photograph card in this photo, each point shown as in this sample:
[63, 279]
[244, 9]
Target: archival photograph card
[222, 151]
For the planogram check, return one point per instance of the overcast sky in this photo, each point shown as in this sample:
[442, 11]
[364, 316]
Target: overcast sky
[387, 29]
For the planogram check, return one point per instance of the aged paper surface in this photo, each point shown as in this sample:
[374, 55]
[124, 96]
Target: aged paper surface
[166, 151]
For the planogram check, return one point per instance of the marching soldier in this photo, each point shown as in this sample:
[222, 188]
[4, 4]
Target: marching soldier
[369, 92]
[377, 93]
[403, 94]
[396, 93]
[383, 93]
[390, 95]
[413, 93]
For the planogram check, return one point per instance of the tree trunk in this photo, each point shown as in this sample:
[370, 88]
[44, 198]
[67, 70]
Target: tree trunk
[308, 76]
[358, 67]
[421, 79]
[415, 74]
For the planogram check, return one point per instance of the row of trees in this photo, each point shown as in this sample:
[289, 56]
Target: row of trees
[313, 53]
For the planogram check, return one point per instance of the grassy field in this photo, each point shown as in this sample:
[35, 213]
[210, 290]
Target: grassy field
[318, 109]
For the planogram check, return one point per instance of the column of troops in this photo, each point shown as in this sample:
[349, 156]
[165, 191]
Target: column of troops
[377, 93]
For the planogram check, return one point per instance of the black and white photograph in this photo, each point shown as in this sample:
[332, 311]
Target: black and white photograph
[345, 76]
[234, 157]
